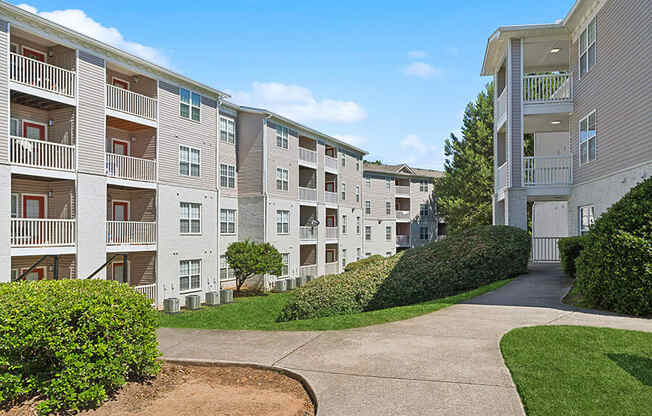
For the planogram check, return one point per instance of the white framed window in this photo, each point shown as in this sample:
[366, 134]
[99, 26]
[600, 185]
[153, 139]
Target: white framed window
[367, 232]
[14, 275]
[357, 166]
[282, 181]
[227, 176]
[344, 224]
[586, 218]
[388, 232]
[189, 275]
[227, 129]
[189, 104]
[388, 182]
[343, 257]
[358, 254]
[357, 193]
[423, 233]
[588, 137]
[15, 205]
[189, 218]
[189, 161]
[227, 221]
[388, 208]
[424, 210]
[368, 181]
[282, 221]
[282, 134]
[367, 207]
[423, 185]
[343, 158]
[587, 48]
[343, 192]
[226, 273]
[285, 268]
[358, 225]
[14, 128]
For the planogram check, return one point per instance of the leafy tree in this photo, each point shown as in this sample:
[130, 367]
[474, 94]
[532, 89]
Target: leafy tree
[248, 258]
[464, 193]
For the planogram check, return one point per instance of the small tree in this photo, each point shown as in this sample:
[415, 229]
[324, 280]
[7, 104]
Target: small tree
[248, 258]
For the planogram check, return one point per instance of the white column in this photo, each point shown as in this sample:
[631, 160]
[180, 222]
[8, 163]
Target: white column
[91, 225]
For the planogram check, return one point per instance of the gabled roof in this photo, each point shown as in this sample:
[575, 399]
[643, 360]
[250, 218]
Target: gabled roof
[402, 169]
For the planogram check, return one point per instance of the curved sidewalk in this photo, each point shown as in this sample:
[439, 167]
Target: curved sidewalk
[443, 363]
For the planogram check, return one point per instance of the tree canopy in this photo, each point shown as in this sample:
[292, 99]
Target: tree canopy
[248, 258]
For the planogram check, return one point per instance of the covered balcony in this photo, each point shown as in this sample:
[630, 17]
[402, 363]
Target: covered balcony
[130, 152]
[402, 235]
[131, 96]
[331, 265]
[308, 261]
[307, 152]
[402, 187]
[307, 184]
[309, 224]
[38, 267]
[139, 272]
[331, 224]
[402, 206]
[330, 159]
[131, 219]
[330, 188]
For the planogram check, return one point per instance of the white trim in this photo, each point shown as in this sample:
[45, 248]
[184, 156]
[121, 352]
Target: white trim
[190, 105]
[190, 148]
[227, 222]
[44, 268]
[45, 54]
[18, 203]
[121, 80]
[585, 27]
[121, 201]
[128, 265]
[219, 129]
[190, 288]
[113, 140]
[45, 204]
[235, 176]
[19, 125]
[38, 123]
[190, 219]
[579, 142]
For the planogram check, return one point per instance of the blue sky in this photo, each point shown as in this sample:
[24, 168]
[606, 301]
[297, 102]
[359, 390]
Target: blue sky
[391, 78]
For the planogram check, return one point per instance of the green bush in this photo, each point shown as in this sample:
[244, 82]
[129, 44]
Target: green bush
[362, 262]
[569, 250]
[458, 263]
[73, 342]
[614, 270]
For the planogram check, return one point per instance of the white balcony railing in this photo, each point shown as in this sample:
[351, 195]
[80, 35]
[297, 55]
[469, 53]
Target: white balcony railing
[331, 233]
[131, 102]
[307, 233]
[501, 175]
[403, 189]
[149, 291]
[128, 167]
[37, 74]
[402, 240]
[501, 105]
[330, 162]
[307, 194]
[130, 233]
[307, 155]
[42, 232]
[330, 197]
[546, 88]
[42, 154]
[545, 250]
[402, 215]
[547, 170]
[331, 268]
[309, 270]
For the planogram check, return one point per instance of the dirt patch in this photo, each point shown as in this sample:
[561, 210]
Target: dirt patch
[202, 391]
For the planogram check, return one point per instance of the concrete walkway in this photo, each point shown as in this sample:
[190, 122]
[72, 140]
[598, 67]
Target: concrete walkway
[443, 363]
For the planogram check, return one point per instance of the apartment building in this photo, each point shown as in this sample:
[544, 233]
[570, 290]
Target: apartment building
[399, 208]
[581, 88]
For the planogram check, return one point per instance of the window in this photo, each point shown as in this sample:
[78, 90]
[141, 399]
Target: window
[343, 192]
[367, 232]
[367, 254]
[282, 222]
[282, 136]
[14, 128]
[388, 232]
[343, 224]
[587, 218]
[15, 206]
[587, 47]
[588, 133]
[358, 254]
[357, 166]
[358, 225]
[189, 161]
[423, 233]
[190, 218]
[423, 210]
[189, 275]
[368, 181]
[367, 207]
[226, 273]
[388, 208]
[227, 221]
[357, 193]
[343, 257]
[281, 179]
[423, 185]
[14, 275]
[227, 130]
[388, 182]
[227, 176]
[189, 104]
[285, 268]
[343, 158]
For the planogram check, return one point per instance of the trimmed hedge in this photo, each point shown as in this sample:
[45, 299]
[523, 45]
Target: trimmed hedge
[614, 270]
[362, 262]
[569, 250]
[458, 263]
[73, 342]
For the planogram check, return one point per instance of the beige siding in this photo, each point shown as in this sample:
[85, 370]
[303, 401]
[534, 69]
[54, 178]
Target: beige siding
[250, 155]
[60, 205]
[515, 113]
[378, 194]
[4, 93]
[91, 112]
[67, 265]
[63, 121]
[227, 154]
[618, 87]
[141, 268]
[61, 56]
[143, 145]
[175, 130]
[142, 203]
[145, 86]
[351, 176]
[279, 157]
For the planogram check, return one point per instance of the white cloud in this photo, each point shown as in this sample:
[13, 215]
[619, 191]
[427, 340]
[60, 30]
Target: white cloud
[416, 152]
[78, 20]
[298, 103]
[421, 70]
[417, 54]
[354, 140]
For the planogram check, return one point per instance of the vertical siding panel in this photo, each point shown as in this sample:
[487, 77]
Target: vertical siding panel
[4, 91]
[515, 113]
[91, 112]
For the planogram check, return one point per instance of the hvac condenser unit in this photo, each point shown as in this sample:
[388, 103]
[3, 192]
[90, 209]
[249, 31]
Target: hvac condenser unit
[291, 284]
[212, 298]
[171, 305]
[300, 281]
[279, 286]
[192, 302]
[226, 296]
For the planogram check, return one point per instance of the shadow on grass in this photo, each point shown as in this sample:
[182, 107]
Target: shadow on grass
[637, 366]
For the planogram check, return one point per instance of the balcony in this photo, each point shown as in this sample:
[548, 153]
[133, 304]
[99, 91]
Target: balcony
[131, 103]
[402, 189]
[330, 197]
[308, 270]
[500, 110]
[331, 233]
[307, 156]
[308, 194]
[403, 240]
[130, 233]
[41, 76]
[149, 291]
[41, 154]
[547, 170]
[330, 163]
[547, 94]
[501, 176]
[331, 268]
[403, 215]
[307, 233]
[42, 232]
[129, 167]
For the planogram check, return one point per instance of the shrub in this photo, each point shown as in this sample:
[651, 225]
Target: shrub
[569, 250]
[362, 262]
[614, 270]
[73, 342]
[460, 262]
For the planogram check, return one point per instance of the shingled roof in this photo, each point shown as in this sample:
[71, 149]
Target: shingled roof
[402, 169]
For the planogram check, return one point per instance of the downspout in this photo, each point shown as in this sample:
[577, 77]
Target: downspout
[265, 196]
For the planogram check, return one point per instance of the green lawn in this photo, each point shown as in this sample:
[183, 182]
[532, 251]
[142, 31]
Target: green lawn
[260, 313]
[574, 370]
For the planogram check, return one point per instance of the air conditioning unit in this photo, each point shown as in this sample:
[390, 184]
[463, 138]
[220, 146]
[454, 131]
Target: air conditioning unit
[309, 278]
[226, 296]
[291, 283]
[300, 281]
[280, 286]
[192, 302]
[212, 298]
[171, 305]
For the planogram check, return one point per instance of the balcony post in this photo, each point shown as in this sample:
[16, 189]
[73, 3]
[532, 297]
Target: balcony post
[124, 269]
[56, 268]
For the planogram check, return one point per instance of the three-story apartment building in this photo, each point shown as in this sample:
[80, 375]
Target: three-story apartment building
[581, 87]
